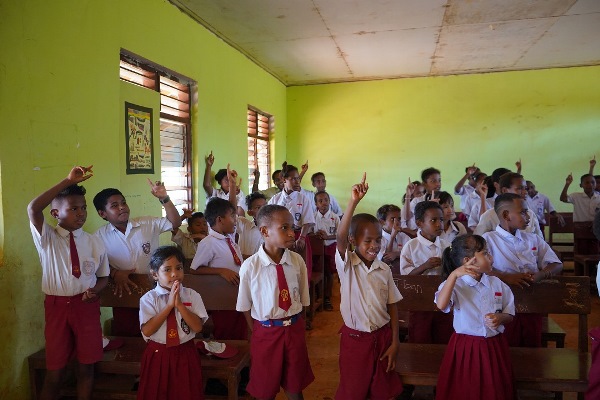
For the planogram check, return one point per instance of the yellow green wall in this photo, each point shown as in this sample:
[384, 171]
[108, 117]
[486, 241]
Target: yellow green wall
[393, 129]
[61, 104]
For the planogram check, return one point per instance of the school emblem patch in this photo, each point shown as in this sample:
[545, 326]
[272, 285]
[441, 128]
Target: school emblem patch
[172, 333]
[146, 247]
[184, 326]
[88, 267]
[297, 216]
[285, 295]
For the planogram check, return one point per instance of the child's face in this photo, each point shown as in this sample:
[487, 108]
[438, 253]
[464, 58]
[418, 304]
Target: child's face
[483, 261]
[116, 210]
[292, 182]
[419, 191]
[531, 189]
[226, 224]
[367, 241]
[224, 184]
[432, 225]
[516, 216]
[198, 226]
[322, 203]
[518, 187]
[278, 181]
[70, 211]
[255, 207]
[433, 183]
[169, 272]
[279, 233]
[392, 218]
[319, 182]
[448, 211]
[588, 184]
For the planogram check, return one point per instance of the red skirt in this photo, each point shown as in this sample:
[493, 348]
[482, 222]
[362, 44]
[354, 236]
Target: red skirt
[475, 368]
[593, 392]
[172, 373]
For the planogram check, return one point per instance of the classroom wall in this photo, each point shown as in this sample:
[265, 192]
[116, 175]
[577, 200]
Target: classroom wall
[61, 104]
[393, 129]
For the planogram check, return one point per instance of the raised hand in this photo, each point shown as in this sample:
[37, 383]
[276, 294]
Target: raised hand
[360, 189]
[593, 162]
[210, 159]
[186, 213]
[410, 189]
[305, 166]
[518, 165]
[472, 169]
[158, 189]
[80, 174]
[569, 179]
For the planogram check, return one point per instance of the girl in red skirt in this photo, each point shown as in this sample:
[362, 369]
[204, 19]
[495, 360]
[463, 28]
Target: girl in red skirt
[170, 317]
[477, 362]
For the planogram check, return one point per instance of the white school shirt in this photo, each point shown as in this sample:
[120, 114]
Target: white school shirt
[400, 240]
[249, 235]
[310, 196]
[187, 244]
[333, 203]
[54, 250]
[134, 248]
[538, 204]
[418, 250]
[328, 223]
[475, 210]
[156, 300]
[365, 292]
[473, 299]
[214, 251]
[464, 192]
[584, 207]
[521, 252]
[298, 205]
[470, 200]
[411, 223]
[259, 287]
[489, 221]
[454, 230]
[241, 198]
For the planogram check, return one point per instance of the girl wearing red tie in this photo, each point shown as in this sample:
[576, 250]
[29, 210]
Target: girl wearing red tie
[170, 317]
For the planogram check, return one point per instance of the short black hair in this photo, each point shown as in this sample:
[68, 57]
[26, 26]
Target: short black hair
[194, 217]
[383, 211]
[265, 214]
[316, 175]
[507, 179]
[321, 192]
[359, 220]
[428, 172]
[101, 199]
[585, 176]
[422, 207]
[287, 169]
[445, 198]
[215, 208]
[73, 190]
[252, 197]
[162, 254]
[276, 173]
[498, 172]
[222, 173]
[504, 201]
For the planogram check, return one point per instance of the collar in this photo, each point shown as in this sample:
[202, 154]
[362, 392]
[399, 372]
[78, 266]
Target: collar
[327, 215]
[65, 233]
[265, 260]
[425, 242]
[162, 291]
[356, 261]
[292, 195]
[452, 228]
[130, 225]
[218, 235]
[506, 235]
[469, 280]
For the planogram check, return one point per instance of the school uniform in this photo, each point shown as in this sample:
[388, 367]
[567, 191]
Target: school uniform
[464, 192]
[240, 197]
[475, 210]
[310, 196]
[412, 223]
[217, 251]
[278, 346]
[366, 333]
[470, 200]
[328, 223]
[489, 221]
[425, 326]
[398, 242]
[520, 253]
[333, 203]
[477, 364]
[131, 250]
[454, 230]
[187, 244]
[249, 236]
[539, 203]
[270, 192]
[170, 372]
[72, 325]
[584, 207]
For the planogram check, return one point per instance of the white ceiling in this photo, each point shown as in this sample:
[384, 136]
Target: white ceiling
[318, 41]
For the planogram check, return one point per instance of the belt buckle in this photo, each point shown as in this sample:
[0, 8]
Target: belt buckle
[287, 322]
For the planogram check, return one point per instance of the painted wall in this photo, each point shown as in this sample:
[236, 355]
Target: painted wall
[61, 104]
[393, 129]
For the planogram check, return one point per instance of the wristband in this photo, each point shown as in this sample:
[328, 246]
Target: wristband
[165, 200]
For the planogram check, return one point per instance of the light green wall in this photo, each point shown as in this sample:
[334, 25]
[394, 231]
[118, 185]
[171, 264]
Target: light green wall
[61, 104]
[393, 129]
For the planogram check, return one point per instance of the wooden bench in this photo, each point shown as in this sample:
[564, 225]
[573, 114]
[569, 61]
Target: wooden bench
[586, 250]
[560, 238]
[546, 369]
[117, 371]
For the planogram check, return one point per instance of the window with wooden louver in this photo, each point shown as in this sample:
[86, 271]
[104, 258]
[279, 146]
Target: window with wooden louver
[259, 128]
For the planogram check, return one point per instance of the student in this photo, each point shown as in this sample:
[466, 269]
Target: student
[432, 181]
[369, 337]
[452, 228]
[477, 363]
[393, 236]
[250, 238]
[129, 244]
[74, 271]
[273, 293]
[509, 182]
[540, 203]
[465, 190]
[218, 254]
[320, 183]
[272, 191]
[423, 256]
[223, 182]
[197, 229]
[586, 204]
[480, 200]
[170, 317]
[520, 258]
[417, 191]
[326, 226]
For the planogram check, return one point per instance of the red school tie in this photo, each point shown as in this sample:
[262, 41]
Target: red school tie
[172, 333]
[285, 301]
[236, 258]
[75, 268]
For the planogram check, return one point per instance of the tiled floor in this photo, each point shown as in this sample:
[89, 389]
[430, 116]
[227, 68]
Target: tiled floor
[323, 347]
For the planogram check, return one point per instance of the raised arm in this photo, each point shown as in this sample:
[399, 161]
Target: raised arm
[232, 178]
[159, 191]
[519, 165]
[470, 171]
[207, 184]
[256, 179]
[36, 207]
[358, 192]
[303, 170]
[563, 194]
[406, 213]
[592, 165]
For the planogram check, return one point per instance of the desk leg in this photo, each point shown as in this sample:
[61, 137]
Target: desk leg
[232, 386]
[36, 380]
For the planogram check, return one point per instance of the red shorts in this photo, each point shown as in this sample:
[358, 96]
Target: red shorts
[525, 330]
[279, 359]
[430, 327]
[362, 374]
[229, 325]
[72, 329]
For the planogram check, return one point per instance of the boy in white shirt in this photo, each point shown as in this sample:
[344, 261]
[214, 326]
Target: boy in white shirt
[432, 181]
[197, 229]
[392, 235]
[326, 225]
[539, 203]
[465, 190]
[586, 204]
[223, 182]
[320, 183]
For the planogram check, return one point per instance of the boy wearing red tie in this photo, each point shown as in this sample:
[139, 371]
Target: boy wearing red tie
[273, 293]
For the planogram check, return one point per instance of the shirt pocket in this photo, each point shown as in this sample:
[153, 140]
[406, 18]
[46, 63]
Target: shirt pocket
[88, 266]
[383, 292]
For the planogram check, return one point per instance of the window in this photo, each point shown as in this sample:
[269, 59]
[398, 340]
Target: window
[175, 122]
[259, 127]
